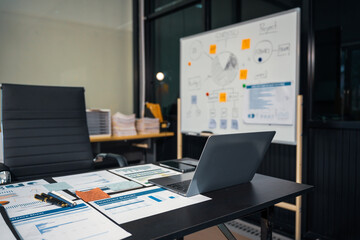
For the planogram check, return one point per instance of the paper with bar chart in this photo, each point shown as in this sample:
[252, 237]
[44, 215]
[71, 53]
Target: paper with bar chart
[143, 173]
[79, 222]
[101, 179]
[21, 195]
[141, 203]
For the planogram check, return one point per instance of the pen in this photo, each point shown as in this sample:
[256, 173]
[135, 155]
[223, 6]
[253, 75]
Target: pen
[46, 198]
[62, 198]
[4, 202]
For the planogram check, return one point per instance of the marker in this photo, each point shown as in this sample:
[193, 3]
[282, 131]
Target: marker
[4, 202]
[192, 133]
[48, 199]
[206, 133]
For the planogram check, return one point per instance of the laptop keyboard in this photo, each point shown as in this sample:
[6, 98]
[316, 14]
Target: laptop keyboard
[180, 186]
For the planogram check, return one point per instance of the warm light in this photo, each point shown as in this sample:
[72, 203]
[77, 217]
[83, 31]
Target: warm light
[160, 76]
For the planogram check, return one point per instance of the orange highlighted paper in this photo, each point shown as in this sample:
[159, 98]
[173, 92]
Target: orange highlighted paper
[245, 44]
[243, 74]
[222, 97]
[212, 49]
[92, 195]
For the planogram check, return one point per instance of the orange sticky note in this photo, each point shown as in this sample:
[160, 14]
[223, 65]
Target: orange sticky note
[213, 49]
[243, 74]
[222, 97]
[245, 44]
[92, 195]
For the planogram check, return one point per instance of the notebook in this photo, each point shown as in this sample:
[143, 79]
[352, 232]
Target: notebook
[226, 160]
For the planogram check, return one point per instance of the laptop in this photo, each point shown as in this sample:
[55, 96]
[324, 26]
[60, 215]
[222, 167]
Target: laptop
[226, 160]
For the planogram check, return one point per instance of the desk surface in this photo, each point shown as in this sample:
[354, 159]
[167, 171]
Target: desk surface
[226, 204]
[122, 138]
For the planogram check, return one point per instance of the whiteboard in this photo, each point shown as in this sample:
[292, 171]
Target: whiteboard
[242, 78]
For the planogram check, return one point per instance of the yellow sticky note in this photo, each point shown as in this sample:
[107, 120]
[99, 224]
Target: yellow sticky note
[245, 44]
[243, 74]
[222, 97]
[212, 49]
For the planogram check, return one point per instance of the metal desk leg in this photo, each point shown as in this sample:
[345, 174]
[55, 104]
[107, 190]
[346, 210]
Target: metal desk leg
[96, 147]
[151, 151]
[266, 223]
[226, 232]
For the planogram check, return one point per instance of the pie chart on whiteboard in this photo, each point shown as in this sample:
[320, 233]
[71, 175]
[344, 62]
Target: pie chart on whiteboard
[224, 68]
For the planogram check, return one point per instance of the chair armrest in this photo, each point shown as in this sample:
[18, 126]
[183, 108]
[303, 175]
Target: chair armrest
[5, 174]
[103, 160]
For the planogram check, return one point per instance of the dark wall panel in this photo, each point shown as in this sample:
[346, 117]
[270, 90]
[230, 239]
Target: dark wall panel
[333, 168]
[280, 161]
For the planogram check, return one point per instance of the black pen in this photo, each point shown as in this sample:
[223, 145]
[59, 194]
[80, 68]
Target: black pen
[46, 198]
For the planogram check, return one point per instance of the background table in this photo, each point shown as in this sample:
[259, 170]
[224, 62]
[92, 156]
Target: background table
[148, 143]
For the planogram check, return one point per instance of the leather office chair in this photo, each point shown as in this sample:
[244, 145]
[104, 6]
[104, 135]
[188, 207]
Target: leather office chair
[45, 131]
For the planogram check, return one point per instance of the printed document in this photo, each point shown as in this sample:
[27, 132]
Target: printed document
[5, 230]
[88, 181]
[141, 203]
[21, 195]
[269, 103]
[79, 222]
[143, 173]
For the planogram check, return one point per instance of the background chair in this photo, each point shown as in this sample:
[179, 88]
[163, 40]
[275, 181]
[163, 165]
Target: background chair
[45, 131]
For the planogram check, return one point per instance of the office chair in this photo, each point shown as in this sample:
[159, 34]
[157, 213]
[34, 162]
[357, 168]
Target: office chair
[45, 131]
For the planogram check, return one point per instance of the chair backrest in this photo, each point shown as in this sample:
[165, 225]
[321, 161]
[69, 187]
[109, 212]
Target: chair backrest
[44, 131]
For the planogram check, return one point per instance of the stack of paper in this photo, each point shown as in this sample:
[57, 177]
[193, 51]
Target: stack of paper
[147, 125]
[123, 125]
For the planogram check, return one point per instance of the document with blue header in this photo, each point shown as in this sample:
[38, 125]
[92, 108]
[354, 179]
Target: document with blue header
[269, 103]
[21, 195]
[145, 202]
[79, 222]
[143, 173]
[5, 229]
[87, 181]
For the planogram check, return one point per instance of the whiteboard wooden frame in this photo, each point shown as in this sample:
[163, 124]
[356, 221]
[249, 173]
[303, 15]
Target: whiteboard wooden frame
[284, 130]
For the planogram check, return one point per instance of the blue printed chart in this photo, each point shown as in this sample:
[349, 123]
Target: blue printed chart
[143, 173]
[21, 195]
[79, 222]
[130, 206]
[270, 103]
[87, 181]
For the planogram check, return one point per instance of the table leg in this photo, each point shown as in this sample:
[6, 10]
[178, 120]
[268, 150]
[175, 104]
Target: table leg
[151, 151]
[96, 148]
[226, 232]
[266, 223]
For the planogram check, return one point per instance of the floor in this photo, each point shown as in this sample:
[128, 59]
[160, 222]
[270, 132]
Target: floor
[212, 233]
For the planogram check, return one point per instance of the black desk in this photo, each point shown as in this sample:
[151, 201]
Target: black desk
[227, 204]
